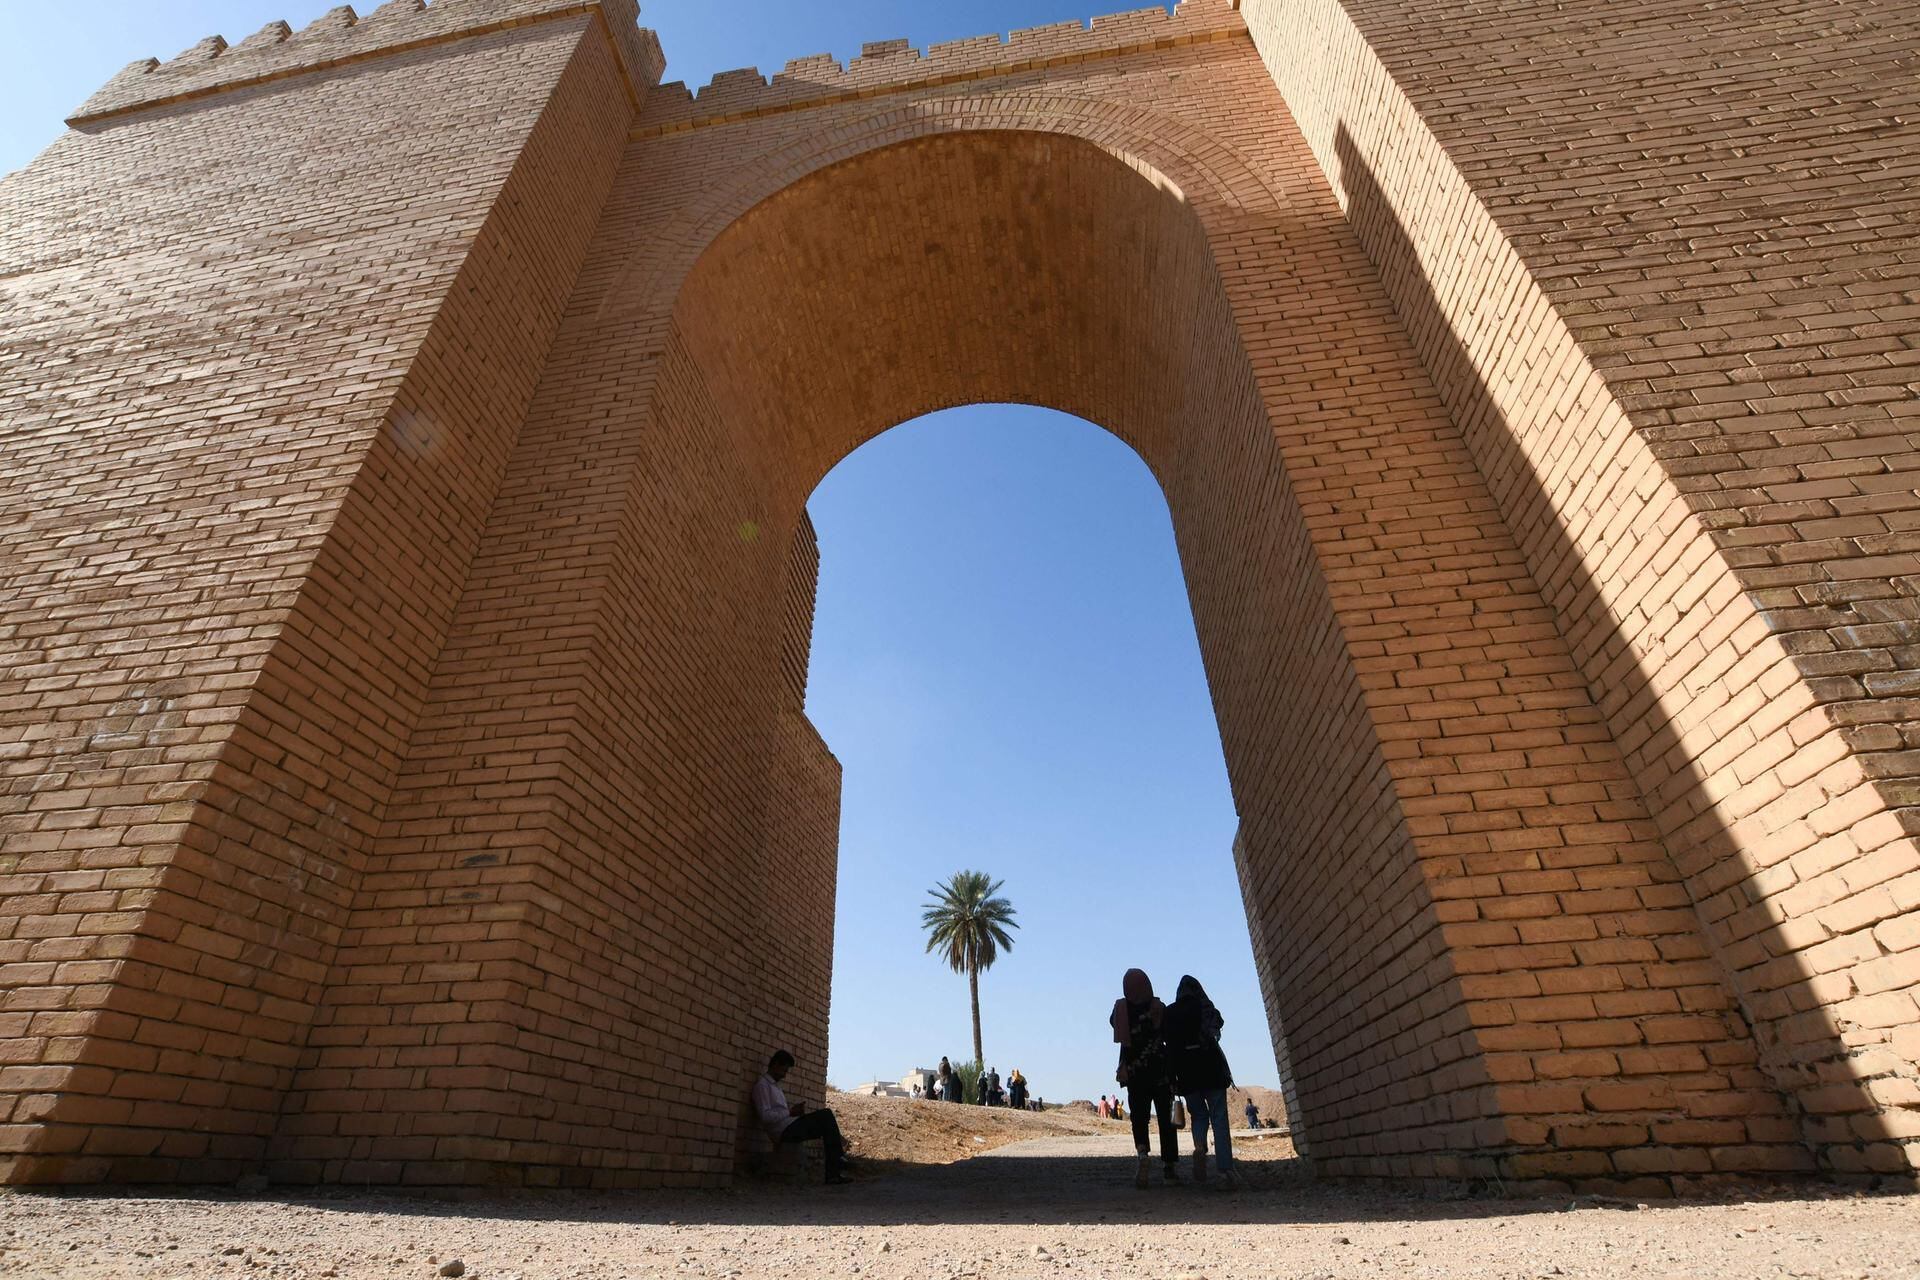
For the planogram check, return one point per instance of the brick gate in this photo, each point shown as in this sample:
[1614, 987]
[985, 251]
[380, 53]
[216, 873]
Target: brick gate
[406, 584]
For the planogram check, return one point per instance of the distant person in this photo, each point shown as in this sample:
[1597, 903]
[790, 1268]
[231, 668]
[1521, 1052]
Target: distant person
[915, 1094]
[1253, 1115]
[1105, 1109]
[1145, 1072]
[793, 1123]
[993, 1087]
[1017, 1090]
[1192, 1030]
[949, 1083]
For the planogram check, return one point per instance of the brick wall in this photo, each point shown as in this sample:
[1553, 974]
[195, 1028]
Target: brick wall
[406, 762]
[248, 502]
[1679, 365]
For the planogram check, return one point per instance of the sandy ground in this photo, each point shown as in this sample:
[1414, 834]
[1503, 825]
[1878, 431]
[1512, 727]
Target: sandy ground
[892, 1131]
[1060, 1206]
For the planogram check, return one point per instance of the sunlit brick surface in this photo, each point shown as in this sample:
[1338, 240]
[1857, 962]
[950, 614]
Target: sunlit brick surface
[408, 585]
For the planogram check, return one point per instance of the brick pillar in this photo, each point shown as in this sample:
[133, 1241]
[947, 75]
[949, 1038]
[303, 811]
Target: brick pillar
[1683, 367]
[319, 350]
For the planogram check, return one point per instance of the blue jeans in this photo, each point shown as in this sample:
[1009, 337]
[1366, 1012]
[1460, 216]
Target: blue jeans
[1205, 1107]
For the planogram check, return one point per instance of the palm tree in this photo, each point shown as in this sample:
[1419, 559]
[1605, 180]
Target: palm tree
[968, 925]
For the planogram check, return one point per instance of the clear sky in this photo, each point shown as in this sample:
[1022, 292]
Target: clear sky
[1004, 658]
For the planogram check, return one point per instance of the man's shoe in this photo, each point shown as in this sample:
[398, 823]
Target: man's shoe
[1172, 1171]
[1140, 1171]
[838, 1181]
[1199, 1167]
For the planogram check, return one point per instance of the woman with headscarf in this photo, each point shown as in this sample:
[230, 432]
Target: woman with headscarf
[1017, 1090]
[1192, 1032]
[1144, 1071]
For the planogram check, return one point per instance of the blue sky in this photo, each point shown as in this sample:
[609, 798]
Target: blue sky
[1004, 658]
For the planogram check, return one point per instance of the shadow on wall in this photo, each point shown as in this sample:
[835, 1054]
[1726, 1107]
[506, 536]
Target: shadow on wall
[1825, 1100]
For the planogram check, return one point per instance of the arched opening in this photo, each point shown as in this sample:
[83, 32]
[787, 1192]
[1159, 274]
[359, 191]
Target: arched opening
[1005, 664]
[1012, 267]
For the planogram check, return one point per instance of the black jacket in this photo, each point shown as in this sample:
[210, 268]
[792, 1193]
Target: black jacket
[1191, 1032]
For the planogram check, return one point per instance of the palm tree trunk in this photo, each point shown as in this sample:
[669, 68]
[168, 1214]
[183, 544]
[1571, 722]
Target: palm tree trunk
[973, 984]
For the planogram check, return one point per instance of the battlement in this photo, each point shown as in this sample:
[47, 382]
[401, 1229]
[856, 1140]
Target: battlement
[892, 65]
[341, 35]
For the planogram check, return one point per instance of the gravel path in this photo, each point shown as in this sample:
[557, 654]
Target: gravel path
[1055, 1207]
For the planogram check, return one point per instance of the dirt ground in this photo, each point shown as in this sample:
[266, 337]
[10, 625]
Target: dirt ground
[892, 1131]
[1060, 1205]
[895, 1131]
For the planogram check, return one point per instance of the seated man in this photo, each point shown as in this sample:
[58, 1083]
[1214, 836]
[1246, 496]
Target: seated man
[795, 1123]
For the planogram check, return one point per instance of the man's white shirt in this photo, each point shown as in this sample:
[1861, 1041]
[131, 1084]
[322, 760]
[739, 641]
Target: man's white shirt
[771, 1104]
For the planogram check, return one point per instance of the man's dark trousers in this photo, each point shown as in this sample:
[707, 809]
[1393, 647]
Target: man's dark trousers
[819, 1124]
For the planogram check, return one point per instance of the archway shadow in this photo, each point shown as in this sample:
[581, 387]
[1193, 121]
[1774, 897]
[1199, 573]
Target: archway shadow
[1806, 1051]
[1046, 1187]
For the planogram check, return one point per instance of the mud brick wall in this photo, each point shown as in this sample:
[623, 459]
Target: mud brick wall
[409, 582]
[238, 524]
[1661, 261]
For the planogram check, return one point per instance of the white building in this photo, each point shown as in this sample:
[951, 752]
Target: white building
[903, 1089]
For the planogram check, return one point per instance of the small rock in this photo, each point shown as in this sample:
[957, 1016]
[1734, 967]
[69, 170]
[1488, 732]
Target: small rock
[1040, 1251]
[454, 1268]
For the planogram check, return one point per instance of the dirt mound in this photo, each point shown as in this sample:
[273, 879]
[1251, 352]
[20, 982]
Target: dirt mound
[1272, 1104]
[903, 1131]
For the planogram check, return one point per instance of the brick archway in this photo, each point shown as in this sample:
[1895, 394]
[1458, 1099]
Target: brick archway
[1221, 186]
[405, 675]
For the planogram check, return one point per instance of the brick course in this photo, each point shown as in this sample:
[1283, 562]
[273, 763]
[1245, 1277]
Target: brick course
[406, 772]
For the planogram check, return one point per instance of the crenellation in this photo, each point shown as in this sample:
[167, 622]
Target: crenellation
[1055, 37]
[646, 59]
[811, 67]
[893, 65]
[673, 94]
[341, 35]
[972, 48]
[205, 51]
[275, 32]
[334, 21]
[741, 85]
[1134, 22]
